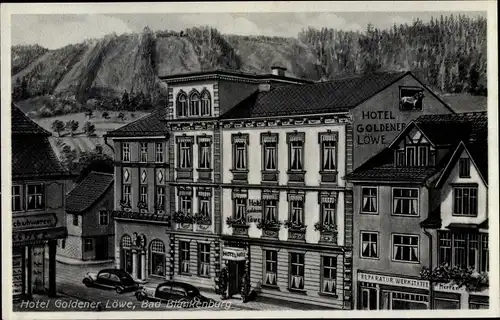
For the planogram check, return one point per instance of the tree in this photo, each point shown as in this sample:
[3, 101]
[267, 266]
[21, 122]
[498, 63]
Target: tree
[68, 158]
[125, 102]
[121, 116]
[105, 115]
[95, 160]
[89, 128]
[58, 127]
[72, 126]
[89, 113]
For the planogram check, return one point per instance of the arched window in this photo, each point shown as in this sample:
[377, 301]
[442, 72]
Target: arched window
[206, 109]
[181, 104]
[126, 253]
[194, 101]
[157, 257]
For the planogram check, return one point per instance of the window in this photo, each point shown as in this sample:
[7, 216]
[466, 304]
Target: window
[88, 245]
[464, 167]
[369, 202]
[400, 158]
[204, 260]
[205, 151]
[410, 98]
[465, 249]
[103, 218]
[270, 157]
[410, 156]
[159, 152]
[296, 155]
[369, 299]
[297, 211]
[36, 196]
[160, 198]
[185, 154]
[127, 190]
[297, 271]
[143, 195]
[328, 155]
[465, 201]
[194, 104]
[185, 204]
[205, 103]
[240, 208]
[369, 244]
[405, 201]
[144, 151]
[407, 301]
[184, 257]
[240, 156]
[75, 219]
[271, 261]
[329, 275]
[181, 105]
[328, 213]
[16, 198]
[423, 156]
[405, 248]
[204, 206]
[126, 151]
[270, 210]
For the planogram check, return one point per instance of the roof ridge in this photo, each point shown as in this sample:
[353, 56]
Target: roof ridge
[102, 173]
[36, 126]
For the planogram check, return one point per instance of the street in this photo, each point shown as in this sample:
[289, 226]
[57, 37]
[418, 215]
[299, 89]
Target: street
[75, 296]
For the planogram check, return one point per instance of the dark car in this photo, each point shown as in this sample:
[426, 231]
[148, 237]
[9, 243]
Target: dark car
[117, 279]
[181, 293]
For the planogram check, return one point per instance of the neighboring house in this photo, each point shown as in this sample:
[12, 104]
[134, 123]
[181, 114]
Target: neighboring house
[422, 202]
[88, 219]
[38, 216]
[141, 198]
[285, 208]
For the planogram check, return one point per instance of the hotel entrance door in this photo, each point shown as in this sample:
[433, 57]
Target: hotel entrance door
[235, 275]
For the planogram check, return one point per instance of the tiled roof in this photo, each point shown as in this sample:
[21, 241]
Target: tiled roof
[333, 96]
[444, 129]
[21, 124]
[151, 124]
[34, 157]
[87, 192]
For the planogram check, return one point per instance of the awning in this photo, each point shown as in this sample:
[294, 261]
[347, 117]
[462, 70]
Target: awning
[456, 225]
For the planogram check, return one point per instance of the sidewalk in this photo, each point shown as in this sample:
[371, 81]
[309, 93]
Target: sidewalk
[73, 261]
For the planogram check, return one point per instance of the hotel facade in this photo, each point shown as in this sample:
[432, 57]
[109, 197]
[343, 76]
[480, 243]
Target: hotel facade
[421, 203]
[255, 173]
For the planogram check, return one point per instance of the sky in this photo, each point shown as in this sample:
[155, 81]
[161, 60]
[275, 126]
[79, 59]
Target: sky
[54, 31]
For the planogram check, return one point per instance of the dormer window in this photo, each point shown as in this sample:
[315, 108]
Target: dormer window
[181, 105]
[464, 168]
[410, 156]
[206, 107]
[417, 155]
[194, 104]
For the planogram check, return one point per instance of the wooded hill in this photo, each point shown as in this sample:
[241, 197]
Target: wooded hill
[448, 53]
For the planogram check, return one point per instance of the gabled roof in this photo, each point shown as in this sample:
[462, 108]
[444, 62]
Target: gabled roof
[339, 95]
[87, 192]
[151, 124]
[21, 124]
[448, 129]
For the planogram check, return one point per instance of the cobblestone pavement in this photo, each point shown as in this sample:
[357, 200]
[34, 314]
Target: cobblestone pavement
[74, 296]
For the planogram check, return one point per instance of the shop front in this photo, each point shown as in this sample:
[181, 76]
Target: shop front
[450, 296]
[141, 249]
[388, 292]
[31, 272]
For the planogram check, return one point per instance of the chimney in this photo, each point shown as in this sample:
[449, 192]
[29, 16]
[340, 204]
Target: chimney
[278, 71]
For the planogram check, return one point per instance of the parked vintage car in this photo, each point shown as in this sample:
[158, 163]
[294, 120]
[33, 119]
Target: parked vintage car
[180, 293]
[117, 279]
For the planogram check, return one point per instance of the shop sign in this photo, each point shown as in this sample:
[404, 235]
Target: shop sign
[393, 281]
[449, 287]
[39, 235]
[39, 221]
[233, 254]
[254, 206]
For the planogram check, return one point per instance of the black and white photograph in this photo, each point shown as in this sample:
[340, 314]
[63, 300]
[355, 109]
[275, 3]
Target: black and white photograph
[211, 160]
